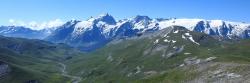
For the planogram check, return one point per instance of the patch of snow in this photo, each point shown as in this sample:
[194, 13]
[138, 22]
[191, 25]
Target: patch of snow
[210, 58]
[187, 34]
[233, 75]
[174, 47]
[150, 72]
[82, 26]
[156, 41]
[173, 41]
[166, 40]
[138, 70]
[191, 39]
[176, 31]
[186, 53]
[165, 35]
[182, 65]
[182, 36]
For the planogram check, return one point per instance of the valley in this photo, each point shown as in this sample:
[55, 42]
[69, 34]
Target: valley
[74, 79]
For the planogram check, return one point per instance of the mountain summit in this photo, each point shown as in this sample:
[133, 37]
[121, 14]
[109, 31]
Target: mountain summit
[107, 18]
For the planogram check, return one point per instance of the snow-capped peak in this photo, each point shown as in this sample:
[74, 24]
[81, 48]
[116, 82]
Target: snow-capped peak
[104, 22]
[215, 23]
[103, 17]
[83, 25]
[188, 23]
[140, 22]
[212, 27]
[140, 18]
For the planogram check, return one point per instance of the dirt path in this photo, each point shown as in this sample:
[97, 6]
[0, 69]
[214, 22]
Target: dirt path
[74, 79]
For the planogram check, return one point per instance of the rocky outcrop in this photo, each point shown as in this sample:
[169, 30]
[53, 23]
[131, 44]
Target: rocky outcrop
[4, 69]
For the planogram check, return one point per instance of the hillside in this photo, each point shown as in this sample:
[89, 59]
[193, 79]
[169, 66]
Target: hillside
[172, 55]
[33, 60]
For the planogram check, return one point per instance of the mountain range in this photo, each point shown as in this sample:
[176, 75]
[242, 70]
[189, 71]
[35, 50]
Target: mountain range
[24, 32]
[98, 31]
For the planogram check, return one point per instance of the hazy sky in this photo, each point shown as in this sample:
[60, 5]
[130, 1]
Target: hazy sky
[28, 11]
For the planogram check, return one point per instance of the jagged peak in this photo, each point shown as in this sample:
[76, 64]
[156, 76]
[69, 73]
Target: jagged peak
[71, 22]
[107, 18]
[104, 15]
[139, 18]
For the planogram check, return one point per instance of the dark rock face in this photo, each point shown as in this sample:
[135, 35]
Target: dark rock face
[125, 30]
[4, 69]
[32, 81]
[200, 27]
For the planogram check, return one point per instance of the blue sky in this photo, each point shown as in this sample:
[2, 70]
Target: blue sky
[46, 10]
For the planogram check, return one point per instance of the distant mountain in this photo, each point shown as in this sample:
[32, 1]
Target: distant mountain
[24, 32]
[224, 29]
[88, 35]
[98, 31]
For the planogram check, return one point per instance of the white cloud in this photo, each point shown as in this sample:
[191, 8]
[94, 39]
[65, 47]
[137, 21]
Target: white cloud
[11, 21]
[35, 25]
[56, 22]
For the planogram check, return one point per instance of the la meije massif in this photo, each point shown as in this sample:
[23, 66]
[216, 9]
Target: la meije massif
[139, 49]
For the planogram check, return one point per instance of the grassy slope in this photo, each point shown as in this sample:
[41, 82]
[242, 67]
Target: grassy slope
[130, 54]
[33, 60]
